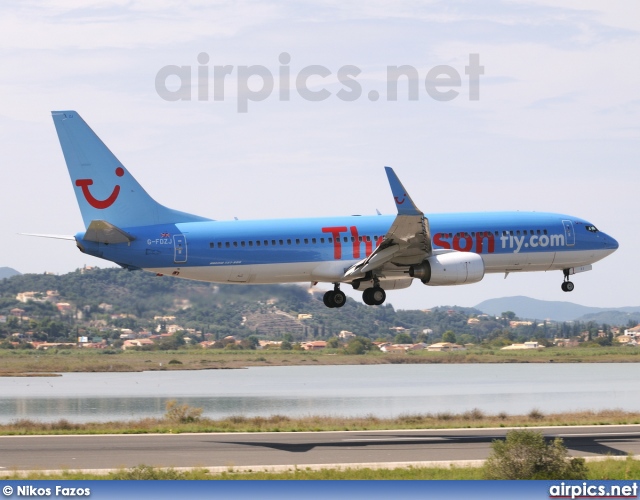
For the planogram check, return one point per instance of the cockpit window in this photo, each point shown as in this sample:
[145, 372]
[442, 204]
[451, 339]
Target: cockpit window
[592, 229]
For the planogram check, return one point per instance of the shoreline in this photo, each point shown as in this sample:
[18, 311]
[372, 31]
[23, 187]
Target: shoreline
[181, 419]
[30, 363]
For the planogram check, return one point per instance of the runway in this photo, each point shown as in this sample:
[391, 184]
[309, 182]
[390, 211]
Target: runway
[275, 450]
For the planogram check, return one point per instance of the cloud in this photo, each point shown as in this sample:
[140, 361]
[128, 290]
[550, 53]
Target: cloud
[128, 25]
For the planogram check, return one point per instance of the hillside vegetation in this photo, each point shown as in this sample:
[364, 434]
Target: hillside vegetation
[99, 303]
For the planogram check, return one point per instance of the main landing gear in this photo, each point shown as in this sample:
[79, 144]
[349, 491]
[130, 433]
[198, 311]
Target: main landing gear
[567, 286]
[334, 298]
[374, 296]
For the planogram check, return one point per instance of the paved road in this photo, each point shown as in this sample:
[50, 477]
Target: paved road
[272, 449]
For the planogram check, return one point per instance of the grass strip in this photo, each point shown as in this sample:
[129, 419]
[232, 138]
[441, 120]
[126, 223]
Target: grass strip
[609, 469]
[281, 423]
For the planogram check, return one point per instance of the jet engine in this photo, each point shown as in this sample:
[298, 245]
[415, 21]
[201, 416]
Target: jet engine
[453, 268]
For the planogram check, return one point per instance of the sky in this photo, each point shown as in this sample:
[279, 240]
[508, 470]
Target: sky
[552, 124]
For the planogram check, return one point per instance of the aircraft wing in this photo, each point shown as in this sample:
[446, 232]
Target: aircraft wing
[408, 240]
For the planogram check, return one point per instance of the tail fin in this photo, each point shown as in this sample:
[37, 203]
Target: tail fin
[104, 188]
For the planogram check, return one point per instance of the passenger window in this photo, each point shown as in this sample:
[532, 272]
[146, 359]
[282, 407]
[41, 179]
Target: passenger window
[211, 245]
[297, 241]
[219, 244]
[281, 242]
[288, 242]
[306, 241]
[235, 243]
[227, 244]
[258, 243]
[242, 243]
[251, 243]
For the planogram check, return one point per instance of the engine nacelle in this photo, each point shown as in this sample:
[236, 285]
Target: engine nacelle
[454, 268]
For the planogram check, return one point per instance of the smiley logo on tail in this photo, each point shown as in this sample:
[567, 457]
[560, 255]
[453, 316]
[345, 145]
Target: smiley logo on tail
[398, 201]
[94, 202]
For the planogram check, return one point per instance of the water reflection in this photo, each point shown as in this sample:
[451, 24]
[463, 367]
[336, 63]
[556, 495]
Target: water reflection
[381, 390]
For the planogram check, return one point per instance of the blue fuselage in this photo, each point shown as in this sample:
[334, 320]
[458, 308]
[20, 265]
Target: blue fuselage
[216, 250]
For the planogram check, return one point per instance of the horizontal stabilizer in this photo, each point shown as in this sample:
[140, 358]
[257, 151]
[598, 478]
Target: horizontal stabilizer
[102, 231]
[54, 236]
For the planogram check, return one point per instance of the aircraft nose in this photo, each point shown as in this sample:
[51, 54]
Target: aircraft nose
[610, 243]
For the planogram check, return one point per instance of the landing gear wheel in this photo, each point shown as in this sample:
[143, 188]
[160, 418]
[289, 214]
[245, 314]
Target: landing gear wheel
[567, 286]
[327, 298]
[334, 298]
[339, 298]
[374, 296]
[366, 297]
[379, 296]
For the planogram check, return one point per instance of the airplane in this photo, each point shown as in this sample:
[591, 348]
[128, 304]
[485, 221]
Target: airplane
[374, 254]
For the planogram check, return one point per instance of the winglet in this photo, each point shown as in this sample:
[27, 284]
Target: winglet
[404, 203]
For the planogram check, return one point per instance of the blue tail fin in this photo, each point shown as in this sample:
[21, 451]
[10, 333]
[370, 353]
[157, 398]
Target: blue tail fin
[104, 188]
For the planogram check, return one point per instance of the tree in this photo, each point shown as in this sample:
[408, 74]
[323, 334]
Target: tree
[286, 345]
[525, 454]
[333, 343]
[603, 341]
[403, 338]
[171, 343]
[358, 345]
[253, 341]
[449, 336]
[5, 344]
[465, 338]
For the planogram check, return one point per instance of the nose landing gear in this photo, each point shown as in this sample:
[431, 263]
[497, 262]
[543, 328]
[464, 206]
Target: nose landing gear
[567, 286]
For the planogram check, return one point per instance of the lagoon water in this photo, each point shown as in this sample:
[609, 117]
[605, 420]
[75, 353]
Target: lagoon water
[380, 390]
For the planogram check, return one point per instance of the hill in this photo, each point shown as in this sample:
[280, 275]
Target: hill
[526, 307]
[7, 272]
[100, 300]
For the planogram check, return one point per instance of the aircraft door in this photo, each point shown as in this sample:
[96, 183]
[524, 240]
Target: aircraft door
[179, 249]
[570, 236]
